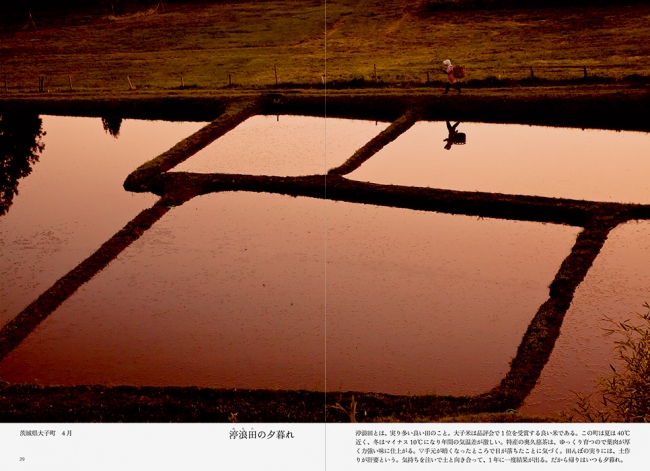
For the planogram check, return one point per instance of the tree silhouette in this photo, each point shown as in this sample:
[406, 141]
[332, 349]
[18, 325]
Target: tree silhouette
[112, 126]
[20, 145]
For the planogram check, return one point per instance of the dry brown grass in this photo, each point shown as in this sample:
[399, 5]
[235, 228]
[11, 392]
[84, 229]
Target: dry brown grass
[204, 43]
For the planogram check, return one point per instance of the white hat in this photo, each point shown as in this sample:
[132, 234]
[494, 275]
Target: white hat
[447, 62]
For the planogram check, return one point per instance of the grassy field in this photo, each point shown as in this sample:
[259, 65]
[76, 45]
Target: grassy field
[205, 43]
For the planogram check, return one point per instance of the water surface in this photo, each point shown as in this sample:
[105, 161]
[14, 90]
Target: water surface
[421, 302]
[229, 290]
[616, 287]
[283, 146]
[73, 200]
[593, 165]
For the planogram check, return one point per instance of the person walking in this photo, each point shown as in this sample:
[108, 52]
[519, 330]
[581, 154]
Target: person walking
[451, 80]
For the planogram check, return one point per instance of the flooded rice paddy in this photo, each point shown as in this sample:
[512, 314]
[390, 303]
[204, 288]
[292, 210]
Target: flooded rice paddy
[421, 302]
[283, 146]
[596, 165]
[228, 291]
[615, 287]
[73, 200]
[255, 290]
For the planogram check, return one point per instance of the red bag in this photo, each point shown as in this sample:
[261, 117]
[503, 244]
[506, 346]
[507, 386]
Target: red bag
[459, 71]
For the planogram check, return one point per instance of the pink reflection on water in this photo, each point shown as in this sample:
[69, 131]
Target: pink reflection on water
[225, 291]
[426, 302]
[73, 201]
[616, 287]
[228, 291]
[283, 146]
[593, 165]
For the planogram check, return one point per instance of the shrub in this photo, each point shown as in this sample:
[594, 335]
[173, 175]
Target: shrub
[625, 396]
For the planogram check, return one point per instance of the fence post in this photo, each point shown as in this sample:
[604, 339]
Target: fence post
[30, 22]
[275, 69]
[130, 84]
[229, 79]
[585, 70]
[427, 76]
[375, 65]
[6, 89]
[182, 82]
[532, 74]
[70, 81]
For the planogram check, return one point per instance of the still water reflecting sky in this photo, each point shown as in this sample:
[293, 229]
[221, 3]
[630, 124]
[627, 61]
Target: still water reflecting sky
[228, 291]
[593, 165]
[73, 201]
[283, 146]
[616, 287]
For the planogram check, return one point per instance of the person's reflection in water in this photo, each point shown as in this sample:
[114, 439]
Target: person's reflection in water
[454, 137]
[20, 146]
